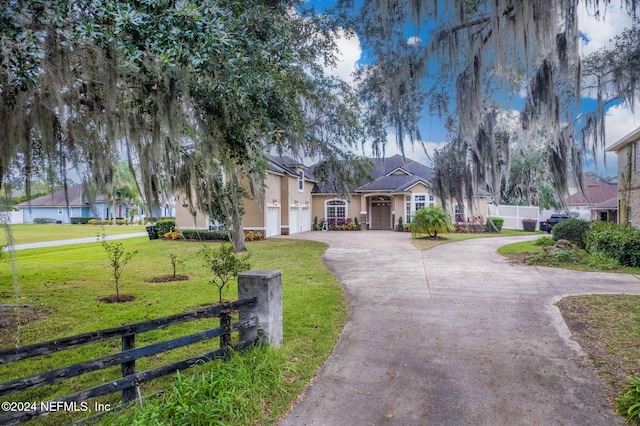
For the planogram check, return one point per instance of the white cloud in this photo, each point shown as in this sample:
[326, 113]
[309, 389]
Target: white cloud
[414, 41]
[601, 31]
[348, 57]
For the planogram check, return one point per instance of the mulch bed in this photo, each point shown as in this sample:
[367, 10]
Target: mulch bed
[167, 278]
[117, 299]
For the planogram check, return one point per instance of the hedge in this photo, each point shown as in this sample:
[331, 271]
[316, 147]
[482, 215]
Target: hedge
[81, 220]
[196, 234]
[497, 221]
[619, 242]
[165, 226]
[574, 230]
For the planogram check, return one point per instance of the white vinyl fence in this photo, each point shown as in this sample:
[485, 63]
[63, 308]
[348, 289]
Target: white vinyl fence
[11, 217]
[513, 215]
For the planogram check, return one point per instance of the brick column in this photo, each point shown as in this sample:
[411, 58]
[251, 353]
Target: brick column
[266, 286]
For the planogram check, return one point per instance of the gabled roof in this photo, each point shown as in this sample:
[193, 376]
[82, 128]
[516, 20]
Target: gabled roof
[384, 178]
[596, 192]
[76, 194]
[282, 164]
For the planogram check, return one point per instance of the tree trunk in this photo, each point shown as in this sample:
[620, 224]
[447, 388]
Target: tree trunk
[238, 236]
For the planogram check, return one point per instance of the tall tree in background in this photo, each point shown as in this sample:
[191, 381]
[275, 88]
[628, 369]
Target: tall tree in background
[173, 84]
[473, 50]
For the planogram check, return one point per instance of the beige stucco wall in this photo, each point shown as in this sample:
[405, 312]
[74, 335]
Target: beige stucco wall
[317, 206]
[184, 218]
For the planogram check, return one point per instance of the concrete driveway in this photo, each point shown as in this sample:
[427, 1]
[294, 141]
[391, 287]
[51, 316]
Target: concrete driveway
[455, 335]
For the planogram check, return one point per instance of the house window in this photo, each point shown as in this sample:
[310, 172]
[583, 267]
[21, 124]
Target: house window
[432, 200]
[60, 211]
[420, 201]
[335, 211]
[407, 200]
[301, 181]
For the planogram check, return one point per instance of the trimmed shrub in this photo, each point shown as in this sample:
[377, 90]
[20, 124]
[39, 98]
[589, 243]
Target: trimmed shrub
[574, 230]
[619, 242]
[196, 234]
[497, 222]
[80, 220]
[165, 226]
[42, 220]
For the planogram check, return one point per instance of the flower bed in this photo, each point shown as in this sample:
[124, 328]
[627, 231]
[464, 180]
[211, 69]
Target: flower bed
[337, 224]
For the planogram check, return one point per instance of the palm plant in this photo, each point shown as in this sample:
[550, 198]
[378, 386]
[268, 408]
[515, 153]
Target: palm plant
[430, 221]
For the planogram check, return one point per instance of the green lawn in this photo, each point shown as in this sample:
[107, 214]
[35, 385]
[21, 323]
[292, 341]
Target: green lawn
[63, 285]
[33, 233]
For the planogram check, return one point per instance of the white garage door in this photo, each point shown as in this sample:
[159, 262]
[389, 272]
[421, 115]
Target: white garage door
[305, 219]
[294, 220]
[273, 221]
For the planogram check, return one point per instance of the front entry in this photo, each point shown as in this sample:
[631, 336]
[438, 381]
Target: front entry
[380, 213]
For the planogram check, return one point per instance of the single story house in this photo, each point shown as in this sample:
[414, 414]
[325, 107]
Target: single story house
[599, 201]
[399, 186]
[54, 207]
[628, 151]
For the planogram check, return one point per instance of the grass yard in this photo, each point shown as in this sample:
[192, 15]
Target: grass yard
[63, 285]
[33, 233]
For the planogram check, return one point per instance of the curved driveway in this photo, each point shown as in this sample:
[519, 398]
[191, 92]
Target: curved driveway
[455, 335]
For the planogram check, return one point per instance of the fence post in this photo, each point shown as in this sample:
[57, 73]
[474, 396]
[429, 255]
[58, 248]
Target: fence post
[225, 325]
[266, 286]
[128, 342]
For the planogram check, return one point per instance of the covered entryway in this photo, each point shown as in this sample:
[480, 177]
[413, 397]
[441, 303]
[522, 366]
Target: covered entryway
[380, 213]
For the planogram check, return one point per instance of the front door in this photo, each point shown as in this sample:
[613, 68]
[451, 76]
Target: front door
[381, 213]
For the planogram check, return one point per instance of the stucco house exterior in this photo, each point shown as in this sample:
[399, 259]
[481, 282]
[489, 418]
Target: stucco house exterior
[398, 188]
[284, 207]
[54, 206]
[628, 151]
[293, 198]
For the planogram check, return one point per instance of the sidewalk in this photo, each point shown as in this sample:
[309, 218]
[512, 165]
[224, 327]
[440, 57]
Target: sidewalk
[76, 241]
[455, 335]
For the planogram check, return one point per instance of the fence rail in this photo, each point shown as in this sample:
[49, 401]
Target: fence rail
[127, 357]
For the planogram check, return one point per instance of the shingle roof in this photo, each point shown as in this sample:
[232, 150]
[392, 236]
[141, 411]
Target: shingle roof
[383, 180]
[595, 191]
[76, 194]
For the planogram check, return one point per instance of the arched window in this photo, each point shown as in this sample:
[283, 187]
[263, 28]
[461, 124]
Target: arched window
[335, 211]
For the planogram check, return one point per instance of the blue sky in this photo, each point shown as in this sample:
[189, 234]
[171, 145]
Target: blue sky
[598, 33]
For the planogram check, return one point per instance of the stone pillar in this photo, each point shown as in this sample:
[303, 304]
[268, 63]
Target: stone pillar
[266, 286]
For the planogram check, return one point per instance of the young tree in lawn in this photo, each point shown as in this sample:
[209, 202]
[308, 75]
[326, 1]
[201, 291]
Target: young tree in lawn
[224, 264]
[118, 258]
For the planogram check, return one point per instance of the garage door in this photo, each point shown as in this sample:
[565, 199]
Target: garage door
[305, 219]
[294, 220]
[272, 222]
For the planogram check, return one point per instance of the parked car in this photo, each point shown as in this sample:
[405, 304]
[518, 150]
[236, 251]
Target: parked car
[548, 224]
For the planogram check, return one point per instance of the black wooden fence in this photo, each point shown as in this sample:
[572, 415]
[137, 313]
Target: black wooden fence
[21, 412]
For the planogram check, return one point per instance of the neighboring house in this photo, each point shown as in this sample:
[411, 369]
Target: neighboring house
[628, 151]
[55, 207]
[599, 201]
[284, 207]
[399, 187]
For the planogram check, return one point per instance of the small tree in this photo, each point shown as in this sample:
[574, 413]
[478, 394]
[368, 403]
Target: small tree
[430, 221]
[175, 262]
[118, 258]
[225, 265]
